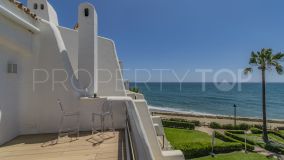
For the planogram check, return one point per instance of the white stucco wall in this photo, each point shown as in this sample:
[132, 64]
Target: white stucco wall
[48, 13]
[9, 95]
[70, 38]
[110, 80]
[15, 47]
[88, 48]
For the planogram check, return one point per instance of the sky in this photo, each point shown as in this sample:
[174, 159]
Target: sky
[181, 36]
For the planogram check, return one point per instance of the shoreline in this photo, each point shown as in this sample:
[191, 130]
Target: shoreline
[222, 119]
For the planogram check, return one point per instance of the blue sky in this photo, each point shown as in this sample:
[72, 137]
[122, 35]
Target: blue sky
[184, 35]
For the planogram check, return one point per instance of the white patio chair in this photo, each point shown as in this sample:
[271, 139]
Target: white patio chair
[65, 115]
[106, 112]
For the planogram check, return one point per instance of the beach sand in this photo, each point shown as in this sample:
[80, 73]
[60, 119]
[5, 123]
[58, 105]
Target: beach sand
[206, 119]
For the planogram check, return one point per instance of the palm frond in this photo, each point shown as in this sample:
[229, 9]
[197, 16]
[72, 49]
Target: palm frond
[247, 70]
[278, 56]
[279, 69]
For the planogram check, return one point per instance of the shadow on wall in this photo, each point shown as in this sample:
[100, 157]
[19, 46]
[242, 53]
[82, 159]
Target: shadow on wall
[0, 114]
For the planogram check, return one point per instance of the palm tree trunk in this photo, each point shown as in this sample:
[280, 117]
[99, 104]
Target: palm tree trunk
[265, 137]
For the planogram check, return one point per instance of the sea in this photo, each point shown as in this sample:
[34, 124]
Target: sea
[215, 98]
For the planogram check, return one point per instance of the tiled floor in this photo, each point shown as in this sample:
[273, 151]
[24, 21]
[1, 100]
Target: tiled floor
[44, 147]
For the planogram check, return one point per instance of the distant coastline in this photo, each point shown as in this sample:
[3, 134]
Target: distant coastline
[191, 98]
[210, 116]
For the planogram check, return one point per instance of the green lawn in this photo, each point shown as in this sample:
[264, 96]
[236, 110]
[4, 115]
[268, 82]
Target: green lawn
[178, 136]
[236, 156]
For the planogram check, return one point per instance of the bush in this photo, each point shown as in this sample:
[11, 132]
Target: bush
[239, 138]
[215, 125]
[242, 126]
[135, 90]
[277, 134]
[258, 126]
[236, 131]
[177, 120]
[195, 122]
[228, 126]
[256, 131]
[229, 139]
[200, 149]
[273, 147]
[175, 124]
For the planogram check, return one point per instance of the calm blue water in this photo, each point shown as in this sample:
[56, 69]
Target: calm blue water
[216, 99]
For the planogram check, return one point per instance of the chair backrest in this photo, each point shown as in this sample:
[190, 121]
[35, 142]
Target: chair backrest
[107, 108]
[60, 105]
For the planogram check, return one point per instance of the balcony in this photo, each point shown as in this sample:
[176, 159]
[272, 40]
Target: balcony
[44, 147]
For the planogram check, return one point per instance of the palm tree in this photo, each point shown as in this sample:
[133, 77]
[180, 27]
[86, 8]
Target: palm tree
[264, 60]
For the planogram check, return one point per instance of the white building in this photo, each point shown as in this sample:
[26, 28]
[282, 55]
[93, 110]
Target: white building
[41, 61]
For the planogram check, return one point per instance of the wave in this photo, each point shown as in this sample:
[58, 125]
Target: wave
[179, 110]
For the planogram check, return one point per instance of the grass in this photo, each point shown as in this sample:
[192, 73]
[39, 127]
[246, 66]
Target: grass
[236, 156]
[181, 136]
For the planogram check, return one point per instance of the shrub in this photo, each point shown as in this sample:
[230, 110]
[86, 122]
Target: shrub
[203, 149]
[244, 126]
[259, 126]
[177, 120]
[255, 131]
[236, 131]
[175, 124]
[228, 126]
[273, 147]
[215, 125]
[195, 122]
[277, 134]
[134, 89]
[239, 138]
[229, 139]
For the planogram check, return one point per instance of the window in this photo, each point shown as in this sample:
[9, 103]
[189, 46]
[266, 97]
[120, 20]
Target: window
[42, 7]
[86, 12]
[35, 6]
[12, 68]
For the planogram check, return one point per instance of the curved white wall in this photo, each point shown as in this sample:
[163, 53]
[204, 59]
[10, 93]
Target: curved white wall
[110, 80]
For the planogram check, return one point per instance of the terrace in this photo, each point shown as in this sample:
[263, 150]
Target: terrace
[38, 147]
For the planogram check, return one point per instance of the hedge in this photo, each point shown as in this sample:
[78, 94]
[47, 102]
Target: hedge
[195, 122]
[175, 124]
[273, 147]
[200, 149]
[239, 138]
[236, 131]
[242, 126]
[215, 125]
[256, 131]
[229, 139]
[277, 134]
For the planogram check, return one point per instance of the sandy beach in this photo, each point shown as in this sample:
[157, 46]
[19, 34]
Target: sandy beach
[206, 119]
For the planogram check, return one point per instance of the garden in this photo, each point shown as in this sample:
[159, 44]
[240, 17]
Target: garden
[229, 142]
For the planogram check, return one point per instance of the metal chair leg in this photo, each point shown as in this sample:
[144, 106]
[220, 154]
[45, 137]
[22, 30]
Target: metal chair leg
[112, 124]
[60, 128]
[78, 127]
[103, 124]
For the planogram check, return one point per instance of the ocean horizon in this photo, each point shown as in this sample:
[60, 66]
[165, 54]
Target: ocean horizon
[214, 98]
